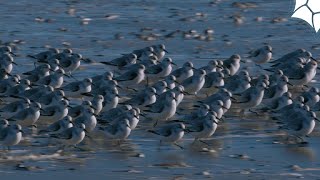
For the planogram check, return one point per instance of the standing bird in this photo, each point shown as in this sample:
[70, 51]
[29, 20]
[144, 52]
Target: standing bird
[184, 72]
[170, 133]
[262, 55]
[232, 64]
[194, 83]
[71, 136]
[143, 98]
[58, 126]
[11, 135]
[203, 127]
[162, 109]
[28, 116]
[120, 63]
[118, 131]
[159, 51]
[78, 88]
[132, 77]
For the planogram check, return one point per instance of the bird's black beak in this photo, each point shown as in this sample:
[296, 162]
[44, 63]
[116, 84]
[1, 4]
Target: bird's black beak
[118, 86]
[166, 51]
[93, 108]
[13, 54]
[14, 63]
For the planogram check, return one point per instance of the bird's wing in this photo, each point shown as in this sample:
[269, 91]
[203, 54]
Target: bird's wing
[127, 76]
[71, 87]
[255, 53]
[208, 82]
[65, 63]
[53, 127]
[269, 93]
[19, 116]
[155, 107]
[45, 80]
[187, 82]
[49, 111]
[75, 111]
[177, 73]
[154, 69]
[196, 127]
[295, 124]
[164, 131]
[4, 133]
[296, 76]
[243, 98]
[67, 134]
[137, 100]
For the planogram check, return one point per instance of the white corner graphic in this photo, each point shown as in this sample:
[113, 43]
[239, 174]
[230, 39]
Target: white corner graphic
[309, 11]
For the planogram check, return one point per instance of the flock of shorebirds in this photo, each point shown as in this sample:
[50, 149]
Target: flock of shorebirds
[145, 86]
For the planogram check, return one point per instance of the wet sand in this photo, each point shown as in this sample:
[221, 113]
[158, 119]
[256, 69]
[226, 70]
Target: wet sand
[247, 147]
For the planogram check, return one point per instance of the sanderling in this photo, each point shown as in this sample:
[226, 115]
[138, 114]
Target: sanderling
[52, 98]
[184, 72]
[76, 111]
[43, 56]
[97, 103]
[170, 133]
[71, 63]
[114, 112]
[161, 87]
[143, 98]
[118, 131]
[11, 109]
[233, 64]
[54, 112]
[262, 55]
[76, 89]
[71, 136]
[87, 118]
[55, 80]
[11, 135]
[162, 109]
[171, 81]
[121, 62]
[159, 71]
[311, 97]
[132, 77]
[302, 76]
[159, 50]
[211, 67]
[213, 81]
[58, 126]
[277, 90]
[194, 83]
[251, 97]
[28, 116]
[204, 127]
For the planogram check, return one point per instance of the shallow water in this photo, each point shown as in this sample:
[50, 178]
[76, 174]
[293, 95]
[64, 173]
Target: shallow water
[246, 147]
